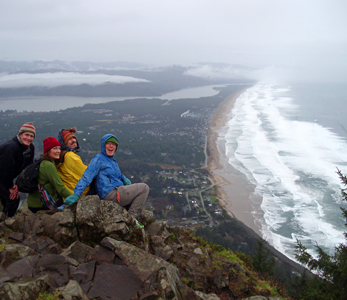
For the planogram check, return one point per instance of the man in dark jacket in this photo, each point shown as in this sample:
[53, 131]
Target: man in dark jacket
[15, 155]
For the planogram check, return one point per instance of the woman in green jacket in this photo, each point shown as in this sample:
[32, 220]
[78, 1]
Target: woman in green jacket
[48, 176]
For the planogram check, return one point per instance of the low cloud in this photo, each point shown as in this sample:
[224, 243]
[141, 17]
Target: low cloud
[61, 78]
[224, 71]
[305, 74]
[219, 72]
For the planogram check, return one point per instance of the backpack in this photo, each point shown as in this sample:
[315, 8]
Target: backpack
[27, 180]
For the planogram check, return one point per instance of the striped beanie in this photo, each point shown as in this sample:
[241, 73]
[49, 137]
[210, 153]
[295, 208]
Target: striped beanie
[28, 127]
[68, 134]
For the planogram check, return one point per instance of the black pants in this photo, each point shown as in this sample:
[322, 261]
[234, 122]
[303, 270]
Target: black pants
[10, 206]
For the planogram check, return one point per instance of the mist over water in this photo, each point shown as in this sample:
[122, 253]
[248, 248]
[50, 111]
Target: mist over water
[288, 144]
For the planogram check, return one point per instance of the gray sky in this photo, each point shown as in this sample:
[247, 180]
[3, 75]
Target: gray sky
[279, 36]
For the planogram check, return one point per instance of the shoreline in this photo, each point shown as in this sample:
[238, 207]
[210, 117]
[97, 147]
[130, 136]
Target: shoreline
[233, 189]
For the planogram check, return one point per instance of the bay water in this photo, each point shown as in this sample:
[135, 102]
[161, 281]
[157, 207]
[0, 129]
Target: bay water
[56, 103]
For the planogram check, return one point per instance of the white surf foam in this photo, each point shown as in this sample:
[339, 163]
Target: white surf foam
[293, 165]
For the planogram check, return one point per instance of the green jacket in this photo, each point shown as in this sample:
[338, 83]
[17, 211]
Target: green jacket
[48, 176]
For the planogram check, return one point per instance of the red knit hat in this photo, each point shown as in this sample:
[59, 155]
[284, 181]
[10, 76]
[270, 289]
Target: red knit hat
[28, 127]
[49, 143]
[68, 134]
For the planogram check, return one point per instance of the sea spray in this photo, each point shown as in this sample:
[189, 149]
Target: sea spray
[291, 159]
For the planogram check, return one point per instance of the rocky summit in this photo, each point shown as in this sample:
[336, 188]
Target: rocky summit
[93, 250]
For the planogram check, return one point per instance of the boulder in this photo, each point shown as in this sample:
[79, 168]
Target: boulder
[93, 250]
[27, 289]
[73, 291]
[13, 252]
[158, 276]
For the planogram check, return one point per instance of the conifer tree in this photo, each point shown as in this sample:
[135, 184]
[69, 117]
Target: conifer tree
[331, 282]
[262, 260]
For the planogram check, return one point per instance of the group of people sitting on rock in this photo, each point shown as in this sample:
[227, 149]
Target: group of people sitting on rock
[63, 174]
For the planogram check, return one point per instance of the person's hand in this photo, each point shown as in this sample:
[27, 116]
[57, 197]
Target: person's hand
[126, 181]
[14, 193]
[71, 199]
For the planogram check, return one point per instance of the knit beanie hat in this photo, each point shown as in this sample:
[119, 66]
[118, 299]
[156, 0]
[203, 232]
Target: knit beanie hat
[49, 143]
[28, 127]
[112, 139]
[68, 134]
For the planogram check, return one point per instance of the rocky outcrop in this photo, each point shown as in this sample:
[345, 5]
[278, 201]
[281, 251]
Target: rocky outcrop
[93, 250]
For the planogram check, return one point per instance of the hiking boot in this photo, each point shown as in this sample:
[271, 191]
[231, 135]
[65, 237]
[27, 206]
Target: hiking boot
[138, 224]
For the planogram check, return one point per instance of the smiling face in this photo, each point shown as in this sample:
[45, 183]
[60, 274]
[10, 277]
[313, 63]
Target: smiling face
[54, 152]
[26, 138]
[72, 143]
[110, 148]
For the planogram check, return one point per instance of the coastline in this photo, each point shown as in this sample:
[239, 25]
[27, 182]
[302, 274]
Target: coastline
[233, 188]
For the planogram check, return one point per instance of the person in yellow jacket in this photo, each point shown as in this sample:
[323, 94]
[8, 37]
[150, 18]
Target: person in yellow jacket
[70, 166]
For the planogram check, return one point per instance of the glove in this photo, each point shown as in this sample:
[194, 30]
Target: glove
[126, 181]
[71, 199]
[61, 207]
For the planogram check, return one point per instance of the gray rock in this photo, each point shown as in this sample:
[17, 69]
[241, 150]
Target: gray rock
[21, 268]
[256, 298]
[14, 252]
[198, 251]
[73, 291]
[42, 244]
[25, 221]
[142, 263]
[12, 223]
[4, 276]
[26, 290]
[101, 254]
[146, 217]
[114, 282]
[156, 274]
[78, 251]
[89, 219]
[61, 234]
[50, 259]
[84, 275]
[156, 228]
[67, 218]
[2, 216]
[17, 236]
[220, 280]
[207, 296]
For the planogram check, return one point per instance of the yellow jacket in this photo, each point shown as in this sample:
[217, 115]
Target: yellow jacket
[71, 170]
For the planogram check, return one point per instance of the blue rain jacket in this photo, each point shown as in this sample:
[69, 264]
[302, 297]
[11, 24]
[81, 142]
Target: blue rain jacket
[104, 169]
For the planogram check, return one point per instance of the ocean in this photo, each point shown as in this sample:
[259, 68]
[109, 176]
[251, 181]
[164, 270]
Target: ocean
[289, 140]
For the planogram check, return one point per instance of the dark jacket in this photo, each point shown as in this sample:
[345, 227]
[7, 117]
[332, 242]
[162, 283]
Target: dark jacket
[14, 157]
[104, 169]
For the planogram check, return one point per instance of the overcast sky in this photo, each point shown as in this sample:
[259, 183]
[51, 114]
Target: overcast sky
[305, 35]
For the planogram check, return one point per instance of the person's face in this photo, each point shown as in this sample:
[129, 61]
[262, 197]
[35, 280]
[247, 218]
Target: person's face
[110, 148]
[54, 152]
[72, 143]
[26, 138]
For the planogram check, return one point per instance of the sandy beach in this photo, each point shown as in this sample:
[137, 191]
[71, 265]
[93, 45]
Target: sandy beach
[233, 188]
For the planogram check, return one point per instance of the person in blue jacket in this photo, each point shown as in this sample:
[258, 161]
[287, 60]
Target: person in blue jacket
[110, 183]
